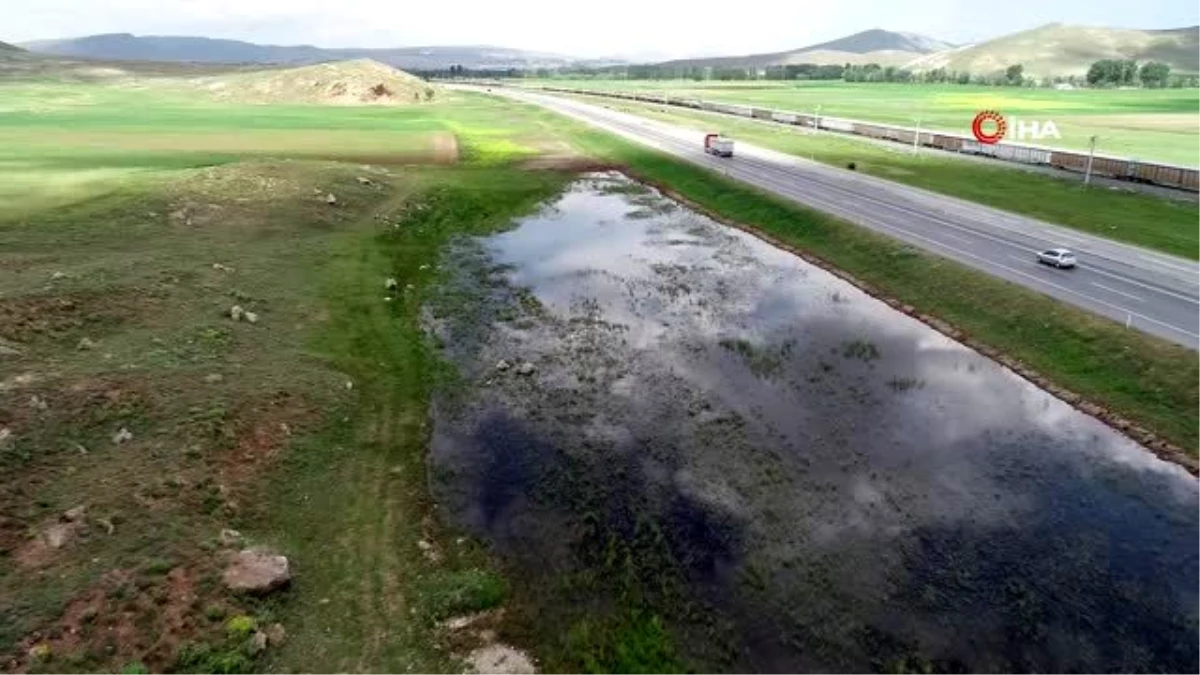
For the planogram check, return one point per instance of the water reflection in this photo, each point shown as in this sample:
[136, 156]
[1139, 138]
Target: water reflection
[846, 487]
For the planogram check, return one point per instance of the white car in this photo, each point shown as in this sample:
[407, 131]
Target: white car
[1059, 257]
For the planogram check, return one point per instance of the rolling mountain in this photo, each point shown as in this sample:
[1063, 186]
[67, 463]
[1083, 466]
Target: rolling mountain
[870, 46]
[124, 46]
[1059, 50]
[5, 47]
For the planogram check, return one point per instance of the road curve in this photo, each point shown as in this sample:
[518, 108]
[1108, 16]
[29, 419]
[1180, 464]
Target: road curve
[1149, 291]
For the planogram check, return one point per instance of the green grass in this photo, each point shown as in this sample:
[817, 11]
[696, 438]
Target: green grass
[1151, 124]
[279, 447]
[1145, 220]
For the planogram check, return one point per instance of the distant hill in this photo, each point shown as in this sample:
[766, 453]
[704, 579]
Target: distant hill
[124, 46]
[870, 46]
[358, 82]
[1059, 50]
[5, 47]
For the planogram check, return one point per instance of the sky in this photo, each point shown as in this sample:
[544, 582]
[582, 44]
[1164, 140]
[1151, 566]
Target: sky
[637, 28]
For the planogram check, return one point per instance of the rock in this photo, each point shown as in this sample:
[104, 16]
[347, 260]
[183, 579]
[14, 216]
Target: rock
[6, 436]
[236, 312]
[502, 365]
[123, 435]
[258, 643]
[501, 659]
[85, 343]
[331, 199]
[251, 317]
[257, 571]
[221, 268]
[40, 652]
[108, 526]
[58, 275]
[363, 180]
[37, 402]
[317, 191]
[526, 368]
[75, 514]
[213, 378]
[391, 284]
[229, 537]
[79, 448]
[276, 634]
[59, 535]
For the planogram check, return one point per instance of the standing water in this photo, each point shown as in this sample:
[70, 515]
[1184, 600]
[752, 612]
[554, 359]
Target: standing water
[657, 412]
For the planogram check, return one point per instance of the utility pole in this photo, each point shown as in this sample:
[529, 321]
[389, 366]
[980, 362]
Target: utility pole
[1087, 175]
[917, 136]
[817, 120]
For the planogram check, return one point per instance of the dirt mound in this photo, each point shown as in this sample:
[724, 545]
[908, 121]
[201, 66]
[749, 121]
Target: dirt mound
[361, 82]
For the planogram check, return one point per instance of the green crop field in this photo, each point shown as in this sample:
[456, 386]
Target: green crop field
[1153, 124]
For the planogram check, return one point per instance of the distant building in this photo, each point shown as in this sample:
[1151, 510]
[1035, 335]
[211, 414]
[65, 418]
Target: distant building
[1064, 86]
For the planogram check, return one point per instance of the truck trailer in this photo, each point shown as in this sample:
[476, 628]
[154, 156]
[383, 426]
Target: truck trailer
[715, 144]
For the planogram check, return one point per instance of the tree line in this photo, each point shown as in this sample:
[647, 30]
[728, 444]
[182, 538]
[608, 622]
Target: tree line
[1103, 73]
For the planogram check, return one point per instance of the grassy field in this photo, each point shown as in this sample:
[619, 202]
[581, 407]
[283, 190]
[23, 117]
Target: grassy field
[129, 229]
[1152, 124]
[1142, 219]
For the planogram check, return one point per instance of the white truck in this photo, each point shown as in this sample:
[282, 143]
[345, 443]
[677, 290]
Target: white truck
[715, 144]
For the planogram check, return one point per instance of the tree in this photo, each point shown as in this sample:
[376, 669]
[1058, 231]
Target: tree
[1154, 74]
[1015, 73]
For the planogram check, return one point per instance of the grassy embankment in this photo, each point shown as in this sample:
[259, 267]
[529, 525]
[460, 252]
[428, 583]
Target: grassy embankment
[122, 254]
[1152, 124]
[1146, 220]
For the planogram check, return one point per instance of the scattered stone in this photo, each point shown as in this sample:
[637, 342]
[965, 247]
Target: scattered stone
[323, 601]
[59, 535]
[213, 378]
[85, 343]
[276, 634]
[229, 537]
[40, 652]
[108, 526]
[526, 368]
[363, 180]
[79, 447]
[317, 191]
[75, 514]
[38, 403]
[502, 365]
[391, 284]
[236, 312]
[258, 643]
[58, 275]
[123, 435]
[257, 571]
[349, 385]
[500, 659]
[221, 268]
[251, 317]
[423, 267]
[331, 199]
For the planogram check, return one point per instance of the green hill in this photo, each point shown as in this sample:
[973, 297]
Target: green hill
[1059, 49]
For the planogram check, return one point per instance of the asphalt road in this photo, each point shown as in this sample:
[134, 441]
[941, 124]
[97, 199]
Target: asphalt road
[1147, 290]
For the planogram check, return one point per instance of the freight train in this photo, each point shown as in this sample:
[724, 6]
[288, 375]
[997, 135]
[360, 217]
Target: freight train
[1120, 168]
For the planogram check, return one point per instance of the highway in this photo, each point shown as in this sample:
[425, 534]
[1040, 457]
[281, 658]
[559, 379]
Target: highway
[1149, 291]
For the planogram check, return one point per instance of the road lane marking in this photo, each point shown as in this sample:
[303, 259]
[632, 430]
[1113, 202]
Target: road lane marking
[1113, 290]
[1148, 287]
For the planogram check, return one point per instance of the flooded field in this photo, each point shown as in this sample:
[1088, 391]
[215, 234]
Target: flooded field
[665, 426]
